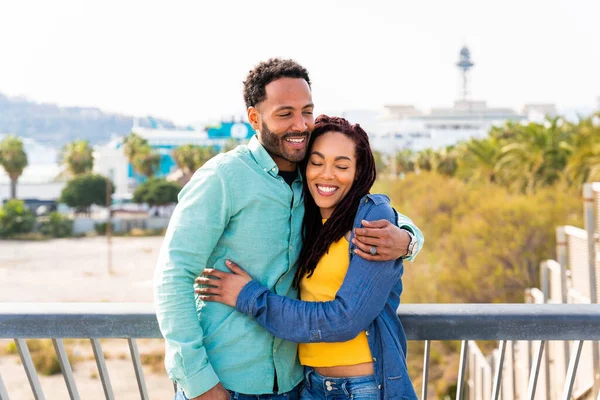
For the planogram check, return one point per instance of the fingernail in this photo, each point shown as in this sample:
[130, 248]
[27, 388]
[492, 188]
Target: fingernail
[227, 262]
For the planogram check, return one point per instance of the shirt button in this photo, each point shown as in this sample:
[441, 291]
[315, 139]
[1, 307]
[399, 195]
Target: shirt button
[379, 387]
[329, 388]
[327, 383]
[374, 359]
[367, 333]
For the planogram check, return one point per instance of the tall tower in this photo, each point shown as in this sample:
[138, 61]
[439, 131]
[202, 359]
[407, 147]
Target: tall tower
[465, 64]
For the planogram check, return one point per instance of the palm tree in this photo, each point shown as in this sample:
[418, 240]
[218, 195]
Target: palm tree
[479, 159]
[447, 161]
[427, 160]
[14, 160]
[405, 161]
[537, 156]
[146, 161]
[185, 158]
[132, 144]
[78, 157]
[584, 161]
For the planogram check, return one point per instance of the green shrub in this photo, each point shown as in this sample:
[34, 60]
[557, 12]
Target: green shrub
[15, 218]
[56, 225]
[84, 190]
[157, 192]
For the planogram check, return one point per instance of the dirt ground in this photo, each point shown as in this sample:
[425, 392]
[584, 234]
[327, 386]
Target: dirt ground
[76, 270]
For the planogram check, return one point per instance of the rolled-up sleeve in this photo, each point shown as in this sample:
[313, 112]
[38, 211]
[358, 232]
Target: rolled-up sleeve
[406, 223]
[197, 223]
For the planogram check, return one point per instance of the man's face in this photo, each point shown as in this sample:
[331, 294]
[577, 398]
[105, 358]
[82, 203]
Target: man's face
[284, 121]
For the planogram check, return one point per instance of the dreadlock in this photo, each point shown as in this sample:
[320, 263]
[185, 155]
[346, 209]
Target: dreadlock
[317, 236]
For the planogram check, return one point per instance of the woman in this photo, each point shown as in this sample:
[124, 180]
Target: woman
[351, 341]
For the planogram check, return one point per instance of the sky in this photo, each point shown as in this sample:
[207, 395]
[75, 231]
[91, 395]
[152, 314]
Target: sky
[186, 60]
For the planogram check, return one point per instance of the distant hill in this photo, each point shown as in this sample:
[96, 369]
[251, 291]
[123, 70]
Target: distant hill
[51, 124]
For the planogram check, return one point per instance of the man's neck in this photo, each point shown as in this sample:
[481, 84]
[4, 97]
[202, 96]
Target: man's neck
[283, 164]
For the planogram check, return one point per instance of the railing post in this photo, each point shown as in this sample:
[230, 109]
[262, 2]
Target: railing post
[588, 198]
[3, 392]
[561, 257]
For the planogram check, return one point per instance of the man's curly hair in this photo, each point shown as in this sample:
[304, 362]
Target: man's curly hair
[267, 72]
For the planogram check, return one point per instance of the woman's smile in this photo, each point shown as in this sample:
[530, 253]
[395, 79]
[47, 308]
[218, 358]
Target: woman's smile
[331, 170]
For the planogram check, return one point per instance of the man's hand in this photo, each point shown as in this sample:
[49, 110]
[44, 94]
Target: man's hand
[389, 241]
[216, 393]
[226, 287]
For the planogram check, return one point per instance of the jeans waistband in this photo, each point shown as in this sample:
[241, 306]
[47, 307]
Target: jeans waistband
[346, 384]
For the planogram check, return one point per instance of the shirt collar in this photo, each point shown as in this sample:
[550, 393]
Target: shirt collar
[263, 158]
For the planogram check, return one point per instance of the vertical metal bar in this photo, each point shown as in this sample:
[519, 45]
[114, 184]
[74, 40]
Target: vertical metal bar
[573, 363]
[65, 366]
[3, 392]
[32, 376]
[102, 370]
[533, 377]
[588, 198]
[499, 366]
[464, 351]
[512, 369]
[561, 254]
[137, 366]
[425, 370]
[545, 278]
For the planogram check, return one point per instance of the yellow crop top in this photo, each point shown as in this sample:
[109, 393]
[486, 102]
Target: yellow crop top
[323, 286]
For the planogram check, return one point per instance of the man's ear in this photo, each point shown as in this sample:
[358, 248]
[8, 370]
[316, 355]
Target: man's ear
[254, 117]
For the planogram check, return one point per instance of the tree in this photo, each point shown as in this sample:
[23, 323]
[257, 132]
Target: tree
[77, 157]
[84, 190]
[15, 218]
[584, 160]
[157, 192]
[405, 161]
[190, 157]
[479, 159]
[380, 164]
[132, 144]
[146, 161]
[536, 155]
[13, 159]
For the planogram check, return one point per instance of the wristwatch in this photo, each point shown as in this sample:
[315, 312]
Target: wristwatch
[411, 245]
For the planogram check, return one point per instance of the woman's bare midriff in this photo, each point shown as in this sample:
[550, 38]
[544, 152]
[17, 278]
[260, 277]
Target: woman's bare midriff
[342, 371]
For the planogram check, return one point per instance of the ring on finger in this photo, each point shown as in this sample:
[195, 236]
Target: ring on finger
[373, 251]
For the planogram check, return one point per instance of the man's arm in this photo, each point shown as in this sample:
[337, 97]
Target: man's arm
[358, 302]
[390, 240]
[197, 224]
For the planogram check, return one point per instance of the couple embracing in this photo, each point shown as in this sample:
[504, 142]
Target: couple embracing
[280, 273]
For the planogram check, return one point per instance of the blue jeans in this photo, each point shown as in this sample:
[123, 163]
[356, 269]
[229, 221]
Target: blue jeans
[321, 387]
[293, 394]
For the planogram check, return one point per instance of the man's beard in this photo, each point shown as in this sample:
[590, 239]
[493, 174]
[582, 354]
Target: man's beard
[275, 144]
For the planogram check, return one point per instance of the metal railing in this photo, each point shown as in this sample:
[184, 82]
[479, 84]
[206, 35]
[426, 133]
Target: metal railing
[423, 322]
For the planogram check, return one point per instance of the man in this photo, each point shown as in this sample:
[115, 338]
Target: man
[247, 205]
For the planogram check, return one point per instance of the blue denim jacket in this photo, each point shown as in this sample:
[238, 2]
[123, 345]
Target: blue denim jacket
[367, 300]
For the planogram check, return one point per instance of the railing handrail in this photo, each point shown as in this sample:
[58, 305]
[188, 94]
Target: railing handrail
[421, 321]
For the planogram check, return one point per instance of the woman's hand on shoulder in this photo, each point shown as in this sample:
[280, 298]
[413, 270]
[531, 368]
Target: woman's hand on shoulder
[222, 287]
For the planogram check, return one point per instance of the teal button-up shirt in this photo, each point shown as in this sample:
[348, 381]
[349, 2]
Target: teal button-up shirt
[236, 208]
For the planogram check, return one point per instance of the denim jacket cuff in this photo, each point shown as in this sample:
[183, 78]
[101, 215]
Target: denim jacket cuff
[246, 300]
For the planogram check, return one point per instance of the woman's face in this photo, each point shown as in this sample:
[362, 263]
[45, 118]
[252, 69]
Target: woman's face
[330, 170]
